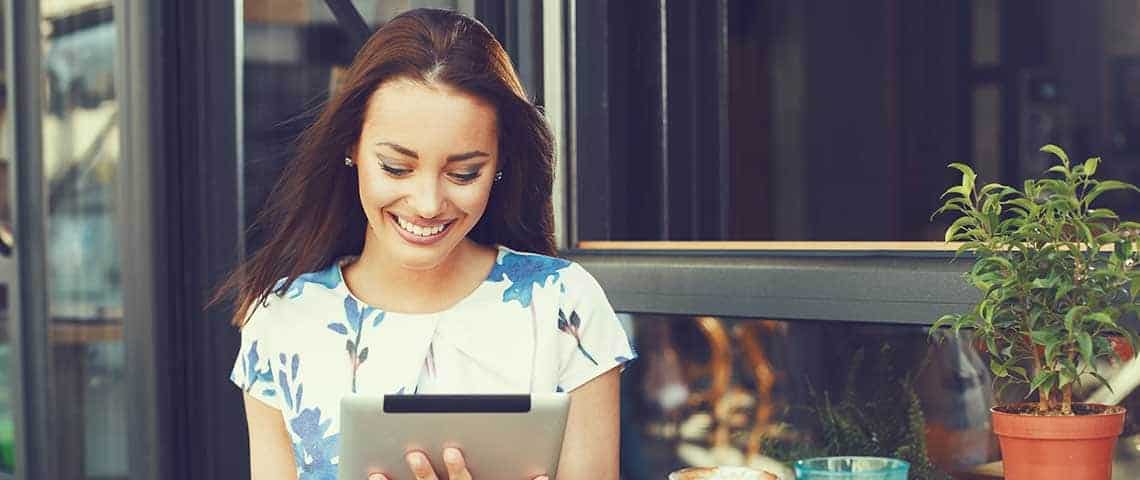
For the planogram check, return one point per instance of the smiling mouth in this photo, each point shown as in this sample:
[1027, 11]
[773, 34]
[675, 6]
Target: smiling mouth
[421, 231]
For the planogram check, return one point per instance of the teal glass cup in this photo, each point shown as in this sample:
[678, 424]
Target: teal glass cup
[851, 468]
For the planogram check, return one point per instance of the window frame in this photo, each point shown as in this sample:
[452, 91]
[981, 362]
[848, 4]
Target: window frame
[911, 283]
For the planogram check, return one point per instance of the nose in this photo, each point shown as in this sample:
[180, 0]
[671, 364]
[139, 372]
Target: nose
[426, 198]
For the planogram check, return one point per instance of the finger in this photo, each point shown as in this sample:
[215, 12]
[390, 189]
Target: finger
[769, 476]
[377, 476]
[456, 465]
[420, 466]
[542, 477]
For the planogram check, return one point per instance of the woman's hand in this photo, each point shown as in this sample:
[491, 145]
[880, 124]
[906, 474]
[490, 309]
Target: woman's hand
[452, 459]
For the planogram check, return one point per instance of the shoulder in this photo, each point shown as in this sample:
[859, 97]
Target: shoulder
[311, 291]
[570, 278]
[516, 265]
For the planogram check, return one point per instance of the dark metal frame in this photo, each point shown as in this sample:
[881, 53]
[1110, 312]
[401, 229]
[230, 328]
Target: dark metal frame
[29, 329]
[141, 206]
[879, 287]
[182, 197]
[884, 286]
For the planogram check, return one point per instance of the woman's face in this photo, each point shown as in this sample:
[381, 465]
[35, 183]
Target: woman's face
[426, 161]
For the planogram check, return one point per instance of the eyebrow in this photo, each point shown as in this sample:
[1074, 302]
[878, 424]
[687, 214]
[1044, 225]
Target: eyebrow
[459, 157]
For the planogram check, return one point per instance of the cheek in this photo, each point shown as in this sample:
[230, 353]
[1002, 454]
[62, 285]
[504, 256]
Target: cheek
[375, 193]
[472, 199]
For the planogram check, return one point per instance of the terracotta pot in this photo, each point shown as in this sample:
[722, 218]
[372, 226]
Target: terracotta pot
[1075, 447]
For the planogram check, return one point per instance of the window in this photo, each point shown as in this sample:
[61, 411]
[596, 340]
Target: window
[797, 120]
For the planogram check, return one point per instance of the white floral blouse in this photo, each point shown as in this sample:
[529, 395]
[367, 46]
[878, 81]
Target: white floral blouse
[535, 324]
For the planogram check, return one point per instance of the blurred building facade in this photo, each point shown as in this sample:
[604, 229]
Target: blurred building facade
[723, 166]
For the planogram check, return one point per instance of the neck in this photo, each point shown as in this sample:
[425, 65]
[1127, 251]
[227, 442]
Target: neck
[380, 280]
[378, 266]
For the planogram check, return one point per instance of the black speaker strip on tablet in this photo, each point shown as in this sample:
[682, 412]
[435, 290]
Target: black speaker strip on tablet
[456, 403]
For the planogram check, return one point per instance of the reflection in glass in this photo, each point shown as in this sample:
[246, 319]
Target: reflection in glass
[81, 165]
[733, 391]
[7, 273]
[834, 121]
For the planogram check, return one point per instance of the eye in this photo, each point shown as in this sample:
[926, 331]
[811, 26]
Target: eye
[466, 177]
[393, 171]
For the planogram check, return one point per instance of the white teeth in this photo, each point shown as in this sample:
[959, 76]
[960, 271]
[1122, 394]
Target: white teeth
[418, 230]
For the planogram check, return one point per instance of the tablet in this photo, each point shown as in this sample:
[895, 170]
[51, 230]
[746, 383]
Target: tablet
[502, 437]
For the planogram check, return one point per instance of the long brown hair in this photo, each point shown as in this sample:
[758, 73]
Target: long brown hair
[314, 214]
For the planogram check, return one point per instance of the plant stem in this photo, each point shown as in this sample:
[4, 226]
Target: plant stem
[1067, 399]
[1042, 398]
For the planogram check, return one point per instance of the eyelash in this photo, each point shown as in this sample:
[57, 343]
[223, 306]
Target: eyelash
[393, 171]
[401, 172]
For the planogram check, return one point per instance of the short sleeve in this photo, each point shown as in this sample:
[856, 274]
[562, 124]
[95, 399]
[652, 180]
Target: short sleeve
[593, 339]
[254, 365]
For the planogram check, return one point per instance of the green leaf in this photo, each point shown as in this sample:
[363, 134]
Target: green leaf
[998, 369]
[1108, 237]
[1068, 375]
[959, 224]
[1102, 380]
[1102, 213]
[968, 175]
[1107, 186]
[1073, 315]
[1084, 340]
[1042, 337]
[1090, 166]
[1063, 289]
[1086, 233]
[1058, 152]
[1000, 261]
[1002, 189]
[957, 189]
[1020, 372]
[1102, 318]
[942, 322]
[1042, 381]
[1051, 351]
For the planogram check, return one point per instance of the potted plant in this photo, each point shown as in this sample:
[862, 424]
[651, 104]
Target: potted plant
[1056, 275]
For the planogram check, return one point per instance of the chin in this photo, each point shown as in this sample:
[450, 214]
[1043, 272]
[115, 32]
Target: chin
[422, 260]
[419, 257]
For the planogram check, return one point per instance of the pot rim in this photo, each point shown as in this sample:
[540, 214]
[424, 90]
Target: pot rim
[1110, 410]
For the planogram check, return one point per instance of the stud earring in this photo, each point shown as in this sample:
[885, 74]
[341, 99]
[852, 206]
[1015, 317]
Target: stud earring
[348, 161]
[498, 176]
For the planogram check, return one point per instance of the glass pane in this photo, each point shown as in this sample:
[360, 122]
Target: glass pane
[736, 391]
[7, 272]
[81, 165]
[835, 120]
[985, 32]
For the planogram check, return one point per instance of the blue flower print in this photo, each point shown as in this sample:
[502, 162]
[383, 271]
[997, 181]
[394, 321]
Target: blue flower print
[524, 272]
[315, 451]
[252, 374]
[352, 327]
[570, 325]
[328, 278]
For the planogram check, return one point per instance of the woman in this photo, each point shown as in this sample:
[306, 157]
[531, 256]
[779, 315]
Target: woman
[412, 252]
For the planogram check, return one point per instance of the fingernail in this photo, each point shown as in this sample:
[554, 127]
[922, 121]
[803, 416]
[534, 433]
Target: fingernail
[451, 455]
[416, 460]
[544, 477]
[377, 476]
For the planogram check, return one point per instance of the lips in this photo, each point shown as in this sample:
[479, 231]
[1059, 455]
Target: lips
[418, 233]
